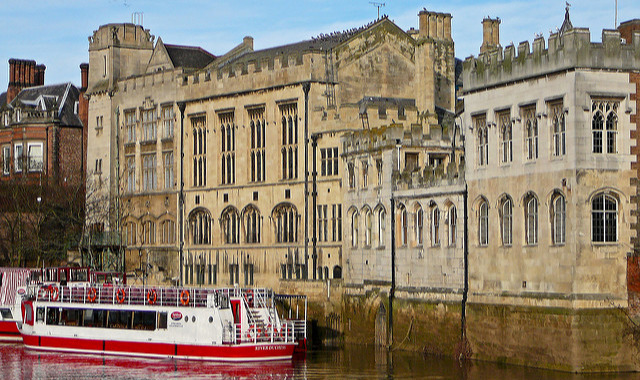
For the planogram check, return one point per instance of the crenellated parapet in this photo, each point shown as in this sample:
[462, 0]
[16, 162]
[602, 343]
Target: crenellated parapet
[443, 174]
[565, 51]
[124, 35]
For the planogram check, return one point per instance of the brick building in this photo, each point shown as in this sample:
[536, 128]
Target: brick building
[42, 152]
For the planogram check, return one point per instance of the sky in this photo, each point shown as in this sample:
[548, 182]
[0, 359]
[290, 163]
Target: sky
[55, 32]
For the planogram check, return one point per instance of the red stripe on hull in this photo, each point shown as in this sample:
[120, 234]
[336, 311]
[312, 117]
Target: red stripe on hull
[9, 327]
[9, 332]
[245, 352]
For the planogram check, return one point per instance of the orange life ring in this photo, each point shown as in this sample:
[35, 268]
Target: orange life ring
[53, 292]
[184, 297]
[92, 294]
[42, 292]
[152, 296]
[120, 295]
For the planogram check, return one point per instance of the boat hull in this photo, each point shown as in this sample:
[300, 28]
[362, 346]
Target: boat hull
[9, 332]
[244, 352]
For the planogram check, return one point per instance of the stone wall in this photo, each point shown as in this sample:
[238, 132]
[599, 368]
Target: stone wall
[587, 340]
[425, 326]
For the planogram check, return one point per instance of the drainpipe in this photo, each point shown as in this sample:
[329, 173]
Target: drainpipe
[393, 269]
[463, 322]
[314, 197]
[121, 250]
[181, 107]
[306, 87]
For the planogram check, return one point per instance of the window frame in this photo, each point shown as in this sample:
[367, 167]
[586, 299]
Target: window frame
[6, 159]
[605, 228]
[531, 219]
[483, 223]
[18, 157]
[558, 219]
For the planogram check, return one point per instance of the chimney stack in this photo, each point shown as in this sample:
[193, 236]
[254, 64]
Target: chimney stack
[40, 75]
[490, 34]
[436, 26]
[248, 41]
[23, 74]
[84, 73]
[628, 28]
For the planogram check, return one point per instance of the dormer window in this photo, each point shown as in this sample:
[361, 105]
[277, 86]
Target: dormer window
[18, 115]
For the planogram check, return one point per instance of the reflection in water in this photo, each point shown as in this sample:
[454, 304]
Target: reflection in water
[352, 362]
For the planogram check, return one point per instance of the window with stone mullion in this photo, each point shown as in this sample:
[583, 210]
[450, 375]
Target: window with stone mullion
[149, 124]
[506, 137]
[199, 151]
[289, 150]
[558, 129]
[257, 153]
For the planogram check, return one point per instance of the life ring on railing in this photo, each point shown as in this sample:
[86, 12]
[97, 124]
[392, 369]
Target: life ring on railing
[120, 295]
[54, 292]
[152, 296]
[92, 294]
[42, 292]
[184, 297]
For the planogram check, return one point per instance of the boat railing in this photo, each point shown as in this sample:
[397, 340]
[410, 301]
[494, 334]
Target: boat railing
[146, 295]
[287, 333]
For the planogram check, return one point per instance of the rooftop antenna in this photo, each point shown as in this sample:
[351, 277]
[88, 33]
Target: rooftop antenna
[136, 18]
[615, 21]
[379, 5]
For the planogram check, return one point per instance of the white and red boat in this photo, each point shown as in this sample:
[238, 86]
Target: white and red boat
[228, 324]
[11, 281]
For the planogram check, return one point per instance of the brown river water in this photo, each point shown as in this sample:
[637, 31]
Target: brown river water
[353, 362]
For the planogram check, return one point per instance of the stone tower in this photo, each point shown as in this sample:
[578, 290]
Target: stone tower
[115, 51]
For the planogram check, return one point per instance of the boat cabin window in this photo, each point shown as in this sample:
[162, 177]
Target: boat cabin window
[95, 318]
[52, 315]
[71, 317]
[28, 314]
[6, 314]
[115, 319]
[144, 320]
[79, 275]
[120, 319]
[162, 320]
[40, 314]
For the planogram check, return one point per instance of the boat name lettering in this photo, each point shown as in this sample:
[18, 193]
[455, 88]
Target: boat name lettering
[270, 348]
[176, 315]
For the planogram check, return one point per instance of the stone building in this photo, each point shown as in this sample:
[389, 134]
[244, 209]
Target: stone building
[419, 177]
[258, 130]
[133, 89]
[550, 143]
[403, 187]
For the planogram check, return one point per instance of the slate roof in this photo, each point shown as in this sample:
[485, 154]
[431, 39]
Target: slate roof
[3, 100]
[189, 57]
[61, 97]
[321, 42]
